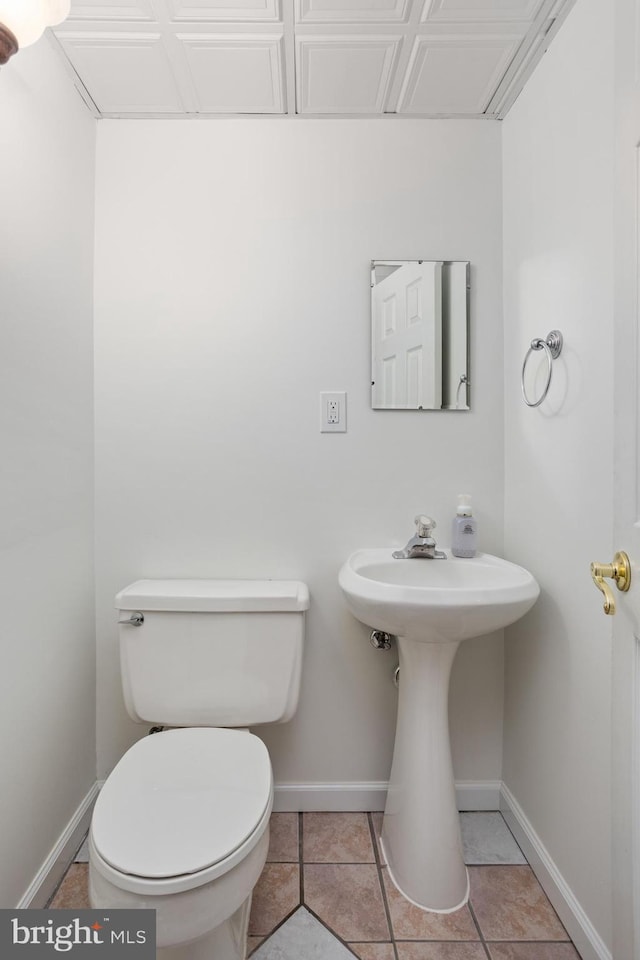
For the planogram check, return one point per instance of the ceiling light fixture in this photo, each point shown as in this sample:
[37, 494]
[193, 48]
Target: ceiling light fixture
[22, 22]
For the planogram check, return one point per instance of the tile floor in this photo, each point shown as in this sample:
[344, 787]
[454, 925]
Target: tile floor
[324, 894]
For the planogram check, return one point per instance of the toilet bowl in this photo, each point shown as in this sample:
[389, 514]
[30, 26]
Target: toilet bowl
[181, 825]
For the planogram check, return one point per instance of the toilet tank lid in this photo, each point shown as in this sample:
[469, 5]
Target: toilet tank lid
[211, 596]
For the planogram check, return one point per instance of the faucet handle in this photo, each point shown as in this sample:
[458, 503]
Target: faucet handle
[425, 525]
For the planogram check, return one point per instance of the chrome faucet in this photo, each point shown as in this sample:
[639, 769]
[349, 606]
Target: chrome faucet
[421, 543]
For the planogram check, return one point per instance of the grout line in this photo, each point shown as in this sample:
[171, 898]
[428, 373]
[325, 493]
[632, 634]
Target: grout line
[80, 845]
[480, 934]
[339, 863]
[514, 837]
[382, 886]
[511, 866]
[301, 856]
[48, 906]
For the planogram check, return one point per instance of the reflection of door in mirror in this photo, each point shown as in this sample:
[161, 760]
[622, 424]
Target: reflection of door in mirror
[419, 335]
[407, 338]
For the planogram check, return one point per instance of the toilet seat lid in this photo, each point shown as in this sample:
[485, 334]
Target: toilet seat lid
[181, 801]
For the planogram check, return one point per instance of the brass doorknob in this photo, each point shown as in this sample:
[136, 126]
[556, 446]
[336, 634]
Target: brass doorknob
[620, 571]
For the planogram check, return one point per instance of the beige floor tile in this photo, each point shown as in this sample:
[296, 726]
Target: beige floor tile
[411, 923]
[510, 904]
[373, 951]
[283, 838]
[276, 894]
[348, 899]
[440, 951]
[336, 838]
[533, 951]
[73, 892]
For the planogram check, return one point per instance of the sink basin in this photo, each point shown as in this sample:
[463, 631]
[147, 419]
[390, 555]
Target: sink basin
[430, 606]
[436, 600]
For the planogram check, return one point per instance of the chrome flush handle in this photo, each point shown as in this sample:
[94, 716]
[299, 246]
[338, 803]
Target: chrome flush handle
[135, 620]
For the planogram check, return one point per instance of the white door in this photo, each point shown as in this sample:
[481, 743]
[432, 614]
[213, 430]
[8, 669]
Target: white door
[407, 338]
[626, 533]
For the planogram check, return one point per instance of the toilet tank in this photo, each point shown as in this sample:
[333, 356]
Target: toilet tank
[215, 653]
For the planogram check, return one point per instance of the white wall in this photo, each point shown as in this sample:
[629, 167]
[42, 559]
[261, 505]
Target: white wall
[558, 183]
[47, 682]
[232, 286]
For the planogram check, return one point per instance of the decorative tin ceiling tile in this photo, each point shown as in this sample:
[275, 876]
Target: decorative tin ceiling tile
[236, 74]
[124, 73]
[455, 74]
[344, 74]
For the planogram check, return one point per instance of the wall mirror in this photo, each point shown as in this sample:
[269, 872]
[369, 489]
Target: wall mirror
[420, 335]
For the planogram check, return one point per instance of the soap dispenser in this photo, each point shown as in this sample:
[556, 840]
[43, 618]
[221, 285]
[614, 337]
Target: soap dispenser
[464, 530]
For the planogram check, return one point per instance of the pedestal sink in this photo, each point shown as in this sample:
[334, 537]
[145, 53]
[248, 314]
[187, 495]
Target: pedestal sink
[430, 606]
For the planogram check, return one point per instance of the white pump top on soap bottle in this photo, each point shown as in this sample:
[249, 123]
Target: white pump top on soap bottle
[464, 529]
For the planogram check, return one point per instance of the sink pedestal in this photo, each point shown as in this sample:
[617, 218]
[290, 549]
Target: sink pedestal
[430, 606]
[421, 829]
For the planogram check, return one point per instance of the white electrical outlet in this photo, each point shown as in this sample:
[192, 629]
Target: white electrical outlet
[333, 412]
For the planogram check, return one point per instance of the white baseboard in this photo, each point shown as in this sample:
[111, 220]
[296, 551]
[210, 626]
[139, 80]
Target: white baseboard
[586, 938]
[362, 796]
[53, 869]
[329, 797]
[475, 795]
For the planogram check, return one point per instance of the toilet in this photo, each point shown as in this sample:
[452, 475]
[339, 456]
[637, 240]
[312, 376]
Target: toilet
[181, 825]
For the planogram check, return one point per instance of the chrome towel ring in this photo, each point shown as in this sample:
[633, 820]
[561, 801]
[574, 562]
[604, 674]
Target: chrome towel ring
[553, 348]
